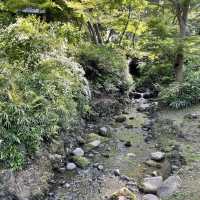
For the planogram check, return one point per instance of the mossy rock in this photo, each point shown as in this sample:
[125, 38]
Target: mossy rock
[81, 161]
[91, 138]
[124, 192]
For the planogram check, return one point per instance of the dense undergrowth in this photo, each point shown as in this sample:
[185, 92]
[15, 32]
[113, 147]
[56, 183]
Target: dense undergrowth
[42, 91]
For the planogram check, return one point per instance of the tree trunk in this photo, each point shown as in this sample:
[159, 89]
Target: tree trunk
[92, 32]
[126, 25]
[178, 67]
[98, 35]
[182, 10]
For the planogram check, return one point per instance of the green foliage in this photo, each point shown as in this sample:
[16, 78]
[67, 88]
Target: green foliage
[41, 91]
[181, 95]
[104, 65]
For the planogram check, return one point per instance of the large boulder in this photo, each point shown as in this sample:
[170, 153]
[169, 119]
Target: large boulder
[152, 184]
[169, 186]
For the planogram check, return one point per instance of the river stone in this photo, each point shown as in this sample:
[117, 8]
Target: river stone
[150, 197]
[103, 131]
[157, 156]
[169, 186]
[152, 163]
[78, 152]
[116, 172]
[71, 166]
[95, 143]
[152, 184]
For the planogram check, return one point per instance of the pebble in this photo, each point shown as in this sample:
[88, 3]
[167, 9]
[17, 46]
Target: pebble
[103, 131]
[116, 172]
[78, 152]
[100, 167]
[71, 166]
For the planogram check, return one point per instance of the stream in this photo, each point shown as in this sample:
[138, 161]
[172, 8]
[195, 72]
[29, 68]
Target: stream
[119, 161]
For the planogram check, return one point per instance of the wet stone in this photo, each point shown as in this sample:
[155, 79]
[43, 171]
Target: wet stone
[157, 156]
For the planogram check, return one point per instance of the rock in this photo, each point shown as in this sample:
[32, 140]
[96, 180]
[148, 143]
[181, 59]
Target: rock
[78, 152]
[128, 144]
[120, 119]
[95, 143]
[100, 167]
[152, 163]
[91, 155]
[62, 169]
[152, 184]
[169, 186]
[150, 197]
[131, 155]
[71, 166]
[81, 161]
[157, 156]
[123, 194]
[67, 185]
[103, 131]
[125, 178]
[116, 172]
[154, 173]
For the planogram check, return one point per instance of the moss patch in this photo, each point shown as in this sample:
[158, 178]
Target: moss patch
[81, 161]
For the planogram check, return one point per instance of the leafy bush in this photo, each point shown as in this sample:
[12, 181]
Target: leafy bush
[41, 91]
[181, 95]
[105, 66]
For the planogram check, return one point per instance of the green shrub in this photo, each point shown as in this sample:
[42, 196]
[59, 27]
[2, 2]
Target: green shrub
[181, 95]
[41, 91]
[105, 67]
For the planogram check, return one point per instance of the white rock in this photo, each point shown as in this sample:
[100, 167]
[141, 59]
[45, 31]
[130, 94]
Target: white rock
[152, 184]
[78, 152]
[103, 131]
[71, 166]
[169, 186]
[95, 143]
[150, 197]
[157, 156]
